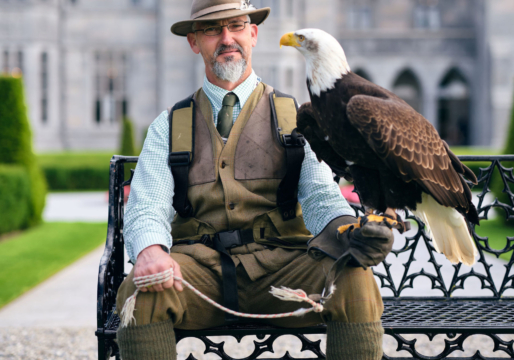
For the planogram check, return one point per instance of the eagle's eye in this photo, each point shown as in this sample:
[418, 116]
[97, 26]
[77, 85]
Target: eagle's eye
[301, 38]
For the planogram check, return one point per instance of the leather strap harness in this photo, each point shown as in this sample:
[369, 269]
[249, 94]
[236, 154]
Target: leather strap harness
[283, 114]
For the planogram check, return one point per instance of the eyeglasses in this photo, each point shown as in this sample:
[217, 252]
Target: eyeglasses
[217, 29]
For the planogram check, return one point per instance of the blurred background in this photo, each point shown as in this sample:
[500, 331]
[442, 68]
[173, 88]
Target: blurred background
[88, 63]
[81, 80]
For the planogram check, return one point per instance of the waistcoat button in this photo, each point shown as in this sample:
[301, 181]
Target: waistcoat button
[231, 206]
[223, 164]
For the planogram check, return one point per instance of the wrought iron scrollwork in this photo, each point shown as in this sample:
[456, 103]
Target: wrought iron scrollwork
[458, 318]
[261, 347]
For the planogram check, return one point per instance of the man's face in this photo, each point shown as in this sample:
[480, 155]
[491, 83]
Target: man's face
[227, 55]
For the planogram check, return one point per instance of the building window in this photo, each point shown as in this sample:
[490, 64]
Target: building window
[427, 15]
[360, 17]
[111, 102]
[20, 61]
[454, 109]
[273, 4]
[363, 74]
[44, 88]
[408, 88]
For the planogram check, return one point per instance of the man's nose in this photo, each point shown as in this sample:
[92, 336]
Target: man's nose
[226, 36]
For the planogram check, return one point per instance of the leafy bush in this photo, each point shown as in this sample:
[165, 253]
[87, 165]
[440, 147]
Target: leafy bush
[128, 147]
[14, 198]
[497, 185]
[16, 142]
[76, 171]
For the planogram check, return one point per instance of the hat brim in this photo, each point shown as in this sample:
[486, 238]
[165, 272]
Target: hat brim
[182, 28]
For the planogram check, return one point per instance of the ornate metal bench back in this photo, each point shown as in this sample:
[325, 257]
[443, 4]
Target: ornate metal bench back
[111, 268]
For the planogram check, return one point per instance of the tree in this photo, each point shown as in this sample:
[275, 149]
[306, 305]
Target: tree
[16, 143]
[127, 143]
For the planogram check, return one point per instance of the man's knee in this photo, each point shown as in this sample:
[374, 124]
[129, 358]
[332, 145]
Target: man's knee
[356, 298]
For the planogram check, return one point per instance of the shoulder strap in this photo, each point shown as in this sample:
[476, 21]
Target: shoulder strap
[284, 109]
[181, 120]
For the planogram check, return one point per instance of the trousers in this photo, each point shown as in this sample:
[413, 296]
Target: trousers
[355, 300]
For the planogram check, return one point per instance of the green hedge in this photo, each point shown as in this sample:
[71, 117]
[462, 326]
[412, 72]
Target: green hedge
[76, 171]
[497, 186]
[15, 199]
[16, 142]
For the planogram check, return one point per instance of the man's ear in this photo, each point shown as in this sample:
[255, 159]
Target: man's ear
[255, 31]
[191, 39]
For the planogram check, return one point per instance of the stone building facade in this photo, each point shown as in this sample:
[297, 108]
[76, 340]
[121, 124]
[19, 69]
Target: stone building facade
[86, 63]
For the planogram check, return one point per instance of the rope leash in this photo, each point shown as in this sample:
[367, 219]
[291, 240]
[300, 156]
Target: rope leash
[286, 294]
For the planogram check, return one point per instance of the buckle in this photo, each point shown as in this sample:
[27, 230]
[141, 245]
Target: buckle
[179, 158]
[230, 239]
[293, 140]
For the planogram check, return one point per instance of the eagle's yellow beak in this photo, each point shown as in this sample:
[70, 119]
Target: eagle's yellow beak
[289, 39]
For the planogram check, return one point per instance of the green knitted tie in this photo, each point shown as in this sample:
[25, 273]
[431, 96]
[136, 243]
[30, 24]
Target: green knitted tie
[225, 115]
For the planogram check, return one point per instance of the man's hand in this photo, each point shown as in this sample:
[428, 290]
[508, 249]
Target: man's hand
[153, 260]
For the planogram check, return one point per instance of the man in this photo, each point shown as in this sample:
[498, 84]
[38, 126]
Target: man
[232, 187]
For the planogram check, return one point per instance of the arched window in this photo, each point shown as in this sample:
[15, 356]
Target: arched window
[363, 73]
[454, 108]
[408, 88]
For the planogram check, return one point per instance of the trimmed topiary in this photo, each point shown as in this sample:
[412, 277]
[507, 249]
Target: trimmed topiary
[16, 142]
[15, 199]
[127, 143]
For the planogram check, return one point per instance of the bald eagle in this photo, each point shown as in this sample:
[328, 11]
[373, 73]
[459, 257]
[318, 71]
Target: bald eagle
[394, 155]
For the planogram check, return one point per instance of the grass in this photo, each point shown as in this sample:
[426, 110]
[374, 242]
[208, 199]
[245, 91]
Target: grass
[474, 150]
[497, 233]
[33, 256]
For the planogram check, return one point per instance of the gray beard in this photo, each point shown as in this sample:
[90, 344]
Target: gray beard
[229, 70]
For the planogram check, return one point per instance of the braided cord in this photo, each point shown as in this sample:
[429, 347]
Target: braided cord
[162, 277]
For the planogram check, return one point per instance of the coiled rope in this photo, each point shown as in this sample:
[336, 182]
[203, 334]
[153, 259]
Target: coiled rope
[286, 294]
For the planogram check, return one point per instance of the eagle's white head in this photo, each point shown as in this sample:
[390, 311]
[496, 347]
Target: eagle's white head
[326, 61]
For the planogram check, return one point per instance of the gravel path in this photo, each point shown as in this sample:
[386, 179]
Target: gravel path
[80, 344]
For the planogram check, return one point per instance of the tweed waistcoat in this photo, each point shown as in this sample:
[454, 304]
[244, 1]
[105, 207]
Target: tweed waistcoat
[234, 185]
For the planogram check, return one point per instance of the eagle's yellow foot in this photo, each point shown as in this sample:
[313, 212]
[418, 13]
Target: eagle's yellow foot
[386, 220]
[342, 229]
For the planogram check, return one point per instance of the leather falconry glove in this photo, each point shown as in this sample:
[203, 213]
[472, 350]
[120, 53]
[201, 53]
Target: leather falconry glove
[364, 243]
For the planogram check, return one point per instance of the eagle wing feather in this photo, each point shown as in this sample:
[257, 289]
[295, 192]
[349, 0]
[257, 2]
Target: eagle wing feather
[411, 147]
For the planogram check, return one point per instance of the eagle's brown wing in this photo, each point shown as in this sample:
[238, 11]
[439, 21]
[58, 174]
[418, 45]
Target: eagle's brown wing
[307, 125]
[412, 148]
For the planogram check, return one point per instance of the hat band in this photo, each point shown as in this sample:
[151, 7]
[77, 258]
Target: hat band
[216, 8]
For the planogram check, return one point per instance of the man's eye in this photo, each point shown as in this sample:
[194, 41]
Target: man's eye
[210, 29]
[236, 26]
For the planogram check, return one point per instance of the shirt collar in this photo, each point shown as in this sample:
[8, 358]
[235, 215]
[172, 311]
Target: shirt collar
[216, 94]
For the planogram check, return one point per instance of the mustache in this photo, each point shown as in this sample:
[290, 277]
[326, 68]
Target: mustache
[222, 48]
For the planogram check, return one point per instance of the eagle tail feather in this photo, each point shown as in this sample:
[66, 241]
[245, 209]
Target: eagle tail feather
[449, 231]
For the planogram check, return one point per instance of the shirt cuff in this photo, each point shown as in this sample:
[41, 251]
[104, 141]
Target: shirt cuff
[145, 240]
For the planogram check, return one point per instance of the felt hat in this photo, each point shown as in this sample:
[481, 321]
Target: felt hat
[213, 10]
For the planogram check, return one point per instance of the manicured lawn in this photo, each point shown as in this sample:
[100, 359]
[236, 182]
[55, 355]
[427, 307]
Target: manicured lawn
[497, 233]
[36, 254]
[474, 150]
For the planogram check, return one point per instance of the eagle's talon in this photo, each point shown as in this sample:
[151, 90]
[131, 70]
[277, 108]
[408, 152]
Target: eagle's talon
[383, 220]
[342, 229]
